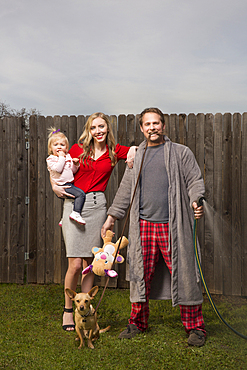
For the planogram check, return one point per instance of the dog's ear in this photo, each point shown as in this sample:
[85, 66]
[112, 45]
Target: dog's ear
[93, 291]
[70, 293]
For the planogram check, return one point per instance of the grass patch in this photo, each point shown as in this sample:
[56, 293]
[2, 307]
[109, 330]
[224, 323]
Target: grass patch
[31, 336]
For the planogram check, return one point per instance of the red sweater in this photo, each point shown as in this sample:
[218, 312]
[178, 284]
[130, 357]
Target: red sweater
[95, 175]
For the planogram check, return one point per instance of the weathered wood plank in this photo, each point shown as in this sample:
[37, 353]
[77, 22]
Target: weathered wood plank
[8, 123]
[4, 202]
[13, 201]
[41, 199]
[216, 218]
[191, 133]
[244, 206]
[209, 249]
[227, 204]
[174, 127]
[2, 195]
[182, 119]
[33, 185]
[80, 127]
[167, 125]
[138, 133]
[236, 206]
[21, 207]
[72, 133]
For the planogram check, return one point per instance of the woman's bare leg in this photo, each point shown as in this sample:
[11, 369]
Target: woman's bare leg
[88, 279]
[71, 279]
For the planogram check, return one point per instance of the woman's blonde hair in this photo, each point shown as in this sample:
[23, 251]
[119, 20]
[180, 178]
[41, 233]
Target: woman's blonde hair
[87, 143]
[53, 133]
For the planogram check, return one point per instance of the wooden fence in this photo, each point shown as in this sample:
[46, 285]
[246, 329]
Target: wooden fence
[31, 244]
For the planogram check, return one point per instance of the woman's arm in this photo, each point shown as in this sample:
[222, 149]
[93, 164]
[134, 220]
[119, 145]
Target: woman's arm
[131, 156]
[59, 190]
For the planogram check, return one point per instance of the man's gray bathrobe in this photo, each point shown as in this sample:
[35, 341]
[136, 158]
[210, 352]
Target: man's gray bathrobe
[185, 186]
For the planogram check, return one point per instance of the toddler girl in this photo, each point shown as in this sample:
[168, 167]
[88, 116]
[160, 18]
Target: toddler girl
[62, 168]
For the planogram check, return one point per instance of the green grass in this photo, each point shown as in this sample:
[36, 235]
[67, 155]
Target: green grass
[31, 336]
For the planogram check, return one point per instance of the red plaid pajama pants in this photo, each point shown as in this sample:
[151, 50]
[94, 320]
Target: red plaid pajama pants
[155, 238]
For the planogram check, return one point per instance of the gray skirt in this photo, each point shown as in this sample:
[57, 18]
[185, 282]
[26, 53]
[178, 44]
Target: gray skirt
[80, 239]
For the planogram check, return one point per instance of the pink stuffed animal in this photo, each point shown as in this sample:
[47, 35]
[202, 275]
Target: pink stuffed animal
[104, 257]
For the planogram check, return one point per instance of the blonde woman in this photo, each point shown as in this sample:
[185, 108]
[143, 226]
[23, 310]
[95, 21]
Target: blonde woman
[98, 155]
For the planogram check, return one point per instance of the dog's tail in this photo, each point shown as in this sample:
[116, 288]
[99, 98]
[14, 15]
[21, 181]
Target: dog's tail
[104, 330]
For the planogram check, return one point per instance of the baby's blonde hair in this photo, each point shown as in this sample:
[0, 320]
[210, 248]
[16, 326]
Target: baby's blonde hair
[53, 133]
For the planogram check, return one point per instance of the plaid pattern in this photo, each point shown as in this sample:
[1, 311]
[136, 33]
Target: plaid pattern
[155, 238]
[191, 317]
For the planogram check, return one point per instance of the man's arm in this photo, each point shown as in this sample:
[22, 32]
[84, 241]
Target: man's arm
[193, 177]
[108, 225]
[120, 203]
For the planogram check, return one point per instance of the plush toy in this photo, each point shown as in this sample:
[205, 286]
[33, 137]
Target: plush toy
[104, 257]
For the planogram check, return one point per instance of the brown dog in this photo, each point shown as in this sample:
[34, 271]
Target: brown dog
[85, 317]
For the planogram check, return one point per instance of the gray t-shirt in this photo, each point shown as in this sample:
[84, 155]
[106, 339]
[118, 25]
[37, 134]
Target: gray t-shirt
[154, 186]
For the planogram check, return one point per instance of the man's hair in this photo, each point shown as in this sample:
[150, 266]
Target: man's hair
[151, 110]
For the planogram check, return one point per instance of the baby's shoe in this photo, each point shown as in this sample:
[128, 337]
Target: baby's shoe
[77, 217]
[60, 222]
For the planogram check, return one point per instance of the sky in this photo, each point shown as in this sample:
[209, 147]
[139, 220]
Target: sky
[73, 57]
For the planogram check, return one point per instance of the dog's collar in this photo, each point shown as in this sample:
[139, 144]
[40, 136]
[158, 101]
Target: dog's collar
[85, 316]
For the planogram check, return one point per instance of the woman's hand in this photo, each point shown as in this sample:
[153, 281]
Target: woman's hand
[131, 156]
[60, 191]
[198, 211]
[108, 225]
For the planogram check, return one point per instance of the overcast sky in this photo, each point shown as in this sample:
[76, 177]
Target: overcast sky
[71, 57]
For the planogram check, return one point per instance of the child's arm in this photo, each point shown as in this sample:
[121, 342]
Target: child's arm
[56, 163]
[75, 164]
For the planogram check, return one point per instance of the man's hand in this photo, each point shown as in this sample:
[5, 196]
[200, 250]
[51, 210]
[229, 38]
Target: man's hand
[198, 211]
[108, 225]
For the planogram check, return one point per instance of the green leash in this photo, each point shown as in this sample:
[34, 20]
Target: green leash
[205, 284]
